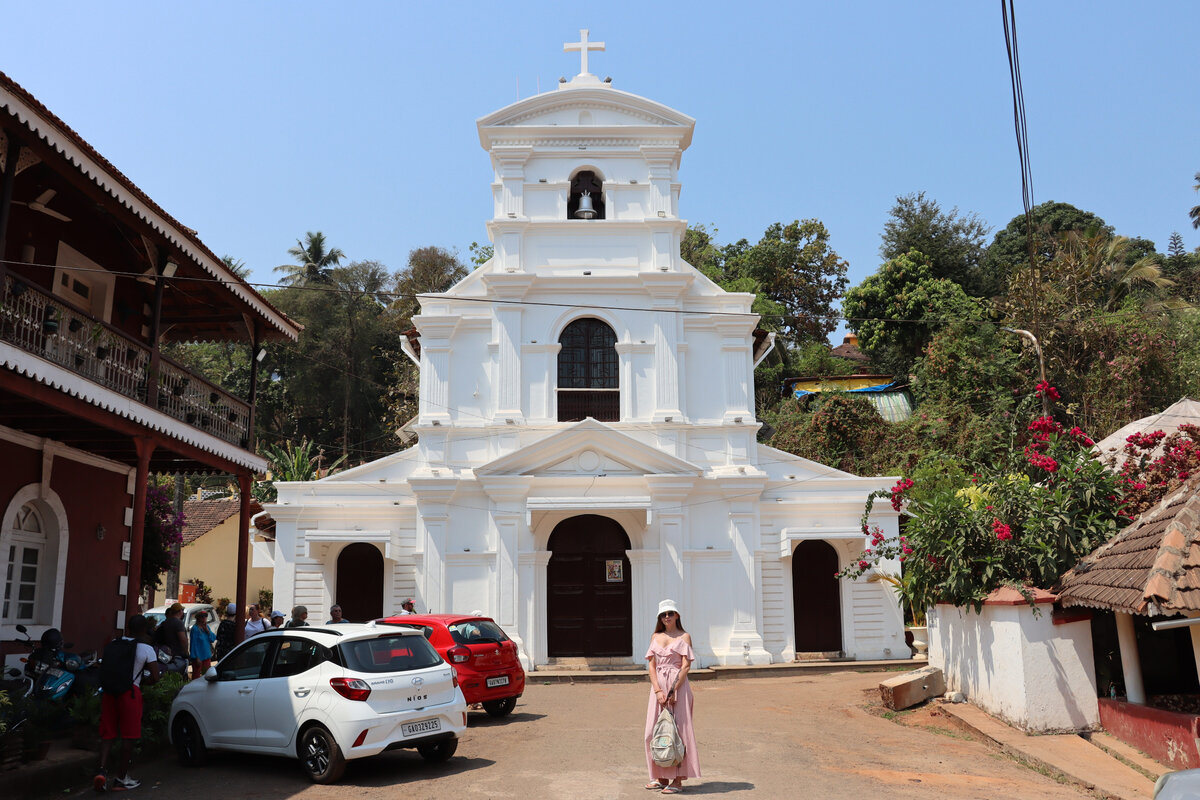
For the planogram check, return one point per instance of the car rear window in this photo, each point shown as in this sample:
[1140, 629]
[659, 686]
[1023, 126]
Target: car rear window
[476, 631]
[393, 653]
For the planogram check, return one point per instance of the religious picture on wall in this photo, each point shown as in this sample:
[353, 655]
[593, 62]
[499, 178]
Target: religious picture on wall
[615, 570]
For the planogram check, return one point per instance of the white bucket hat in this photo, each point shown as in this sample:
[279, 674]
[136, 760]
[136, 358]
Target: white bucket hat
[667, 605]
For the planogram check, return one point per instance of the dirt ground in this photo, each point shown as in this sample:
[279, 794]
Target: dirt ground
[820, 736]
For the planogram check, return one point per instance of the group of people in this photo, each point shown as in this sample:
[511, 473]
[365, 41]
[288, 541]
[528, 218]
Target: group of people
[199, 645]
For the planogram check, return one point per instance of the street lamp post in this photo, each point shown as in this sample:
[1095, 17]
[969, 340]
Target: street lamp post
[1037, 348]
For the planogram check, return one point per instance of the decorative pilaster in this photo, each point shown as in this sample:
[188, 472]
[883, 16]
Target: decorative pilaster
[668, 497]
[436, 335]
[736, 337]
[509, 289]
[433, 517]
[665, 289]
[745, 640]
[510, 161]
[509, 514]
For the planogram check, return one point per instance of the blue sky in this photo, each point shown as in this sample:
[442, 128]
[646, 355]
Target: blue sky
[255, 122]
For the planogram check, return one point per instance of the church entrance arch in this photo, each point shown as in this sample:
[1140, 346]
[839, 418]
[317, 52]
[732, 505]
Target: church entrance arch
[589, 608]
[359, 583]
[816, 598]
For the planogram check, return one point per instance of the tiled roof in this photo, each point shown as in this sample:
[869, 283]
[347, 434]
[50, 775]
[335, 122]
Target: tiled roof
[1152, 567]
[277, 318]
[201, 516]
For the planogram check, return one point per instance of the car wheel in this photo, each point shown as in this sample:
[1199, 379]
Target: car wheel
[320, 755]
[500, 708]
[189, 743]
[438, 752]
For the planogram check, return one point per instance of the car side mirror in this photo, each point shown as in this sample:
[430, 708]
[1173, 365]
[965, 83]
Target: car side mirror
[211, 675]
[22, 629]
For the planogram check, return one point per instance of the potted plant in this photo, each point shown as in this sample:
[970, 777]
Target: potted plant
[49, 320]
[75, 324]
[85, 714]
[11, 744]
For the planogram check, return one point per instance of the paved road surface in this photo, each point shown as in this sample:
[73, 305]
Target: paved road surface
[805, 736]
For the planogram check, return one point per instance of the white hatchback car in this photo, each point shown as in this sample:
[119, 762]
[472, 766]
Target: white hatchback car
[323, 695]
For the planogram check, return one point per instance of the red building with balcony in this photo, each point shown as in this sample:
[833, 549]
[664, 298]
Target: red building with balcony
[94, 279]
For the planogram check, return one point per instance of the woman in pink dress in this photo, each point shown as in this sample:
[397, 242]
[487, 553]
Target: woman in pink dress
[670, 657]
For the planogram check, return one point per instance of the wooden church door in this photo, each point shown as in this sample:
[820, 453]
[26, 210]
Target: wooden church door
[588, 590]
[816, 598]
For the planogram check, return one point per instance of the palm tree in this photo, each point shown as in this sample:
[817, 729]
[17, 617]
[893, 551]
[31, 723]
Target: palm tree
[1195, 212]
[313, 261]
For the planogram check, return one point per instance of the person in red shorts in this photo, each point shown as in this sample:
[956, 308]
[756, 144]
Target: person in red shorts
[121, 670]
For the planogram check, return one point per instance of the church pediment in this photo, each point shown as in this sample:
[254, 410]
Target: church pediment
[588, 448]
[577, 112]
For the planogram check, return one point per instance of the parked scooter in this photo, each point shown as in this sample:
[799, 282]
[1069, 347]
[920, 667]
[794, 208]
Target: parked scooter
[52, 671]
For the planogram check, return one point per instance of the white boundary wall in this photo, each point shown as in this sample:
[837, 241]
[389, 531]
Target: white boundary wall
[1017, 664]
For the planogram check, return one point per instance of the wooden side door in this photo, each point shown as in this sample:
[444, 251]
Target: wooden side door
[359, 585]
[816, 598]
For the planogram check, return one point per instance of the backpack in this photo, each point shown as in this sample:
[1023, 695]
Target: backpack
[666, 745]
[116, 668]
[225, 642]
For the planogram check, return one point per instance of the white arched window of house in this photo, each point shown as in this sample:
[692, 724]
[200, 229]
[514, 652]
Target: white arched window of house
[33, 561]
[26, 557]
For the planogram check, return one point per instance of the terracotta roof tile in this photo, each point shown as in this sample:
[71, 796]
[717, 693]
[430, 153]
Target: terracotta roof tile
[201, 516]
[1150, 567]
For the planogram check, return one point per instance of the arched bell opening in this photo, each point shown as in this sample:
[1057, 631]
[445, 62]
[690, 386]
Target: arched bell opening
[586, 200]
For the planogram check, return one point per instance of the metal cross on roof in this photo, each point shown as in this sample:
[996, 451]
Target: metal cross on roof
[583, 46]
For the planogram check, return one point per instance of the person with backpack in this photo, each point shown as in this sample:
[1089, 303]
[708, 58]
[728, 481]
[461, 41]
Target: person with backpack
[226, 632]
[670, 656]
[121, 676]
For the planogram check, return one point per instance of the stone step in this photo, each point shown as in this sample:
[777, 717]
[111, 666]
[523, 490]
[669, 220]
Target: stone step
[616, 664]
[829, 655]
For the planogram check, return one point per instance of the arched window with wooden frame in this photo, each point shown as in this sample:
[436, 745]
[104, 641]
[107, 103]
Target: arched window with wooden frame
[588, 379]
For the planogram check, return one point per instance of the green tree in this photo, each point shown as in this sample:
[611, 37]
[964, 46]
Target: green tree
[430, 270]
[1195, 212]
[1009, 249]
[897, 310]
[794, 266]
[954, 245]
[481, 253]
[313, 258]
[971, 363]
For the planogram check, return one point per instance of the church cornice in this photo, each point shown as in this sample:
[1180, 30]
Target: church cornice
[551, 137]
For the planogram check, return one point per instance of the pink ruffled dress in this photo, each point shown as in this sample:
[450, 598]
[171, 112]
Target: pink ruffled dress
[667, 663]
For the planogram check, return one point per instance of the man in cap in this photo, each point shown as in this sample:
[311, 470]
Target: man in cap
[407, 607]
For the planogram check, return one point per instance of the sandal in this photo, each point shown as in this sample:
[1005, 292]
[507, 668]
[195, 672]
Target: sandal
[672, 789]
[656, 785]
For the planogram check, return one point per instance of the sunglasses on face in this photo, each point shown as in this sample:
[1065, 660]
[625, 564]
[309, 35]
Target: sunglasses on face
[667, 614]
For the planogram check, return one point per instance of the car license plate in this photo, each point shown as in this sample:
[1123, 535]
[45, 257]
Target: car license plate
[426, 726]
[500, 681]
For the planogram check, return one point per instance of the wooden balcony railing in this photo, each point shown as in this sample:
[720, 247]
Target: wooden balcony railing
[45, 326]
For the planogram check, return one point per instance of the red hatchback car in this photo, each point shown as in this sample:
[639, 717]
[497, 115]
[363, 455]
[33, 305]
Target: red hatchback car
[489, 671]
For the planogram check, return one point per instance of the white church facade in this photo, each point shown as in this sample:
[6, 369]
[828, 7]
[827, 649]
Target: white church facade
[587, 433]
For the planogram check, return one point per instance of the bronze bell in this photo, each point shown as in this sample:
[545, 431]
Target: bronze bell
[585, 210]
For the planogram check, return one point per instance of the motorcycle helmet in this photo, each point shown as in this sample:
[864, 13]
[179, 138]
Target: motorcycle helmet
[52, 639]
